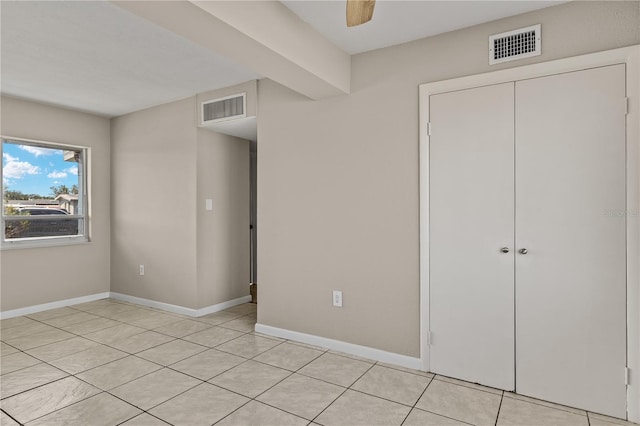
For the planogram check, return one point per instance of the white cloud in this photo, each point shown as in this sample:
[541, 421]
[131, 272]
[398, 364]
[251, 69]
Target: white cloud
[73, 170]
[37, 151]
[8, 157]
[16, 169]
[57, 175]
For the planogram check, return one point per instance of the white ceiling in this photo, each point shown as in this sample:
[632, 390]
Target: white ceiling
[399, 21]
[96, 57]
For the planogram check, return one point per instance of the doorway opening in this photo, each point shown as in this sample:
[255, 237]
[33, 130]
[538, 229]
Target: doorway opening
[253, 218]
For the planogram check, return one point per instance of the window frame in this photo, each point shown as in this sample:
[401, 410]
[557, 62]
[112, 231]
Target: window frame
[83, 200]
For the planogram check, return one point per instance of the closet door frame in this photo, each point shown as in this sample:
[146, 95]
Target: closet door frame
[630, 56]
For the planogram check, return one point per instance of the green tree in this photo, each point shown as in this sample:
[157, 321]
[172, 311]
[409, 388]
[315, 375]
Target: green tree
[15, 228]
[64, 189]
[15, 195]
[19, 195]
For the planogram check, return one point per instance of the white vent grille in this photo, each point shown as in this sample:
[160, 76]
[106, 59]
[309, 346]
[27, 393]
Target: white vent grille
[222, 109]
[513, 45]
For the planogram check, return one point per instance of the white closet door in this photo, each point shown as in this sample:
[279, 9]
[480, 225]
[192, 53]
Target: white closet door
[471, 219]
[570, 201]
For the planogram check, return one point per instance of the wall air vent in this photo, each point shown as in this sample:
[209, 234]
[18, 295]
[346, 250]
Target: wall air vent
[516, 44]
[223, 109]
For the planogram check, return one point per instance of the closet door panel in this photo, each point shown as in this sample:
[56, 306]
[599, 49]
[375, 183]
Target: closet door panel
[570, 202]
[471, 219]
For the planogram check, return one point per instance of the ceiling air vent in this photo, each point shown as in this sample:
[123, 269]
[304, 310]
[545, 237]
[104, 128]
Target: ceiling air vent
[222, 109]
[513, 45]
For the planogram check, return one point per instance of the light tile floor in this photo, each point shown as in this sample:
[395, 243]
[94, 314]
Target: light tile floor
[109, 363]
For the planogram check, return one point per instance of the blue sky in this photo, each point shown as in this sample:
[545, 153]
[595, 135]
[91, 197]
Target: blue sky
[33, 170]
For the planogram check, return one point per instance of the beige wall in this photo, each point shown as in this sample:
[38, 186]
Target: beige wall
[223, 233]
[163, 169]
[153, 169]
[338, 188]
[33, 276]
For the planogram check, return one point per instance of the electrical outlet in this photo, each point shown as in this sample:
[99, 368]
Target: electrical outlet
[141, 269]
[337, 298]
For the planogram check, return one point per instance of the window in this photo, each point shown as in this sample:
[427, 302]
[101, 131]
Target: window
[44, 197]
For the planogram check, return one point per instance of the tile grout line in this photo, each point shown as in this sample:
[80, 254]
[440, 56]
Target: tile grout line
[73, 403]
[206, 348]
[247, 316]
[186, 374]
[168, 366]
[565, 408]
[342, 393]
[66, 331]
[261, 393]
[140, 414]
[75, 375]
[142, 411]
[58, 409]
[325, 351]
[246, 360]
[277, 383]
[415, 406]
[11, 417]
[109, 345]
[418, 400]
[499, 407]
[286, 369]
[128, 354]
[120, 321]
[44, 384]
[220, 387]
[466, 385]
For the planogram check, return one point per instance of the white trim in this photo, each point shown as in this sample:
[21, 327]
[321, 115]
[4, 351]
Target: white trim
[83, 200]
[38, 242]
[627, 55]
[37, 142]
[423, 161]
[52, 305]
[126, 298]
[181, 310]
[633, 235]
[337, 345]
[222, 306]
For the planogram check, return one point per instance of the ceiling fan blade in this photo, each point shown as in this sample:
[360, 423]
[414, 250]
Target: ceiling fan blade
[359, 11]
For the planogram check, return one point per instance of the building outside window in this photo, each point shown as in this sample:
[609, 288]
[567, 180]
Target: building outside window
[44, 196]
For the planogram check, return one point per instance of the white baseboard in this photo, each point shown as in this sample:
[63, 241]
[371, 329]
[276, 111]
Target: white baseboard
[181, 310]
[126, 298]
[222, 306]
[337, 345]
[52, 305]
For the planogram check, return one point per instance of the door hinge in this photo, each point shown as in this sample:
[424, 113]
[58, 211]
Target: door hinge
[627, 376]
[626, 106]
[429, 338]
[429, 128]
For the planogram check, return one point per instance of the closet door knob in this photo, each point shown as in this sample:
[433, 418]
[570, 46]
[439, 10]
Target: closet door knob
[504, 249]
[523, 251]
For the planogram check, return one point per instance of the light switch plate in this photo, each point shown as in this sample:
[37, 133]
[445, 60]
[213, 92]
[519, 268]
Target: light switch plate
[337, 298]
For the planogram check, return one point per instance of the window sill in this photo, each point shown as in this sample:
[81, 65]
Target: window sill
[28, 243]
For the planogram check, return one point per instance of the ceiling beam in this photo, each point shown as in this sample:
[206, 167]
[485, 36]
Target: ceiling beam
[264, 36]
